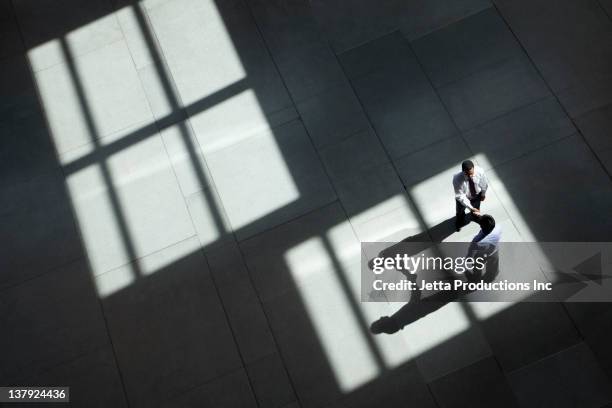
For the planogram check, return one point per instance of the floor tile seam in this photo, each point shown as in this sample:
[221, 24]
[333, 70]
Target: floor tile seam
[52, 270]
[148, 254]
[449, 23]
[551, 91]
[70, 360]
[76, 56]
[578, 343]
[524, 154]
[489, 66]
[103, 138]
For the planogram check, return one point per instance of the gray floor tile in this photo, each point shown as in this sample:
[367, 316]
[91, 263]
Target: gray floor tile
[520, 131]
[137, 31]
[377, 205]
[168, 328]
[398, 388]
[186, 158]
[87, 376]
[42, 208]
[269, 178]
[394, 225]
[310, 368]
[353, 156]
[241, 303]
[16, 81]
[607, 5]
[142, 211]
[85, 27]
[309, 71]
[270, 382]
[424, 16]
[527, 332]
[589, 95]
[229, 391]
[492, 92]
[303, 56]
[571, 46]
[209, 219]
[260, 68]
[10, 39]
[571, 378]
[606, 159]
[589, 317]
[424, 164]
[595, 126]
[452, 354]
[435, 339]
[347, 26]
[536, 189]
[113, 100]
[391, 51]
[599, 342]
[466, 47]
[49, 320]
[405, 111]
[273, 273]
[162, 95]
[282, 23]
[332, 115]
[26, 150]
[481, 384]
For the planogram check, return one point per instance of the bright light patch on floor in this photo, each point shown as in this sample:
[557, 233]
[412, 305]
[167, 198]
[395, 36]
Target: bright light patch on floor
[253, 171]
[96, 96]
[435, 328]
[197, 47]
[145, 192]
[336, 326]
[94, 210]
[390, 220]
[82, 39]
[230, 121]
[45, 55]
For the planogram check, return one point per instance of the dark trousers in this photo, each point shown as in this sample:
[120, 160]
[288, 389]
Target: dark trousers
[461, 218]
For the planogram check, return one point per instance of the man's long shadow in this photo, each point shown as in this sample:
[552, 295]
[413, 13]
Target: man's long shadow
[418, 306]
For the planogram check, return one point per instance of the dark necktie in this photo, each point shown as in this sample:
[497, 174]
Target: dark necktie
[472, 187]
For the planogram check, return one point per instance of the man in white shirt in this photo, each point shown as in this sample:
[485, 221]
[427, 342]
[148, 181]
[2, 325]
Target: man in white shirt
[470, 189]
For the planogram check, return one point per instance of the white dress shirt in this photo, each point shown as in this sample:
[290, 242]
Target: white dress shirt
[462, 187]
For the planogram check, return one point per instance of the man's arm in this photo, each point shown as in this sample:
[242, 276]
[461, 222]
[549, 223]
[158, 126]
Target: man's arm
[460, 195]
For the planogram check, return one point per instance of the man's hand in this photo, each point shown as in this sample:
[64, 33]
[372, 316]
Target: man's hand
[475, 211]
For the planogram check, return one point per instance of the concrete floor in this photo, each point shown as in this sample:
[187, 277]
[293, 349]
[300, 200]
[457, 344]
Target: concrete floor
[185, 185]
